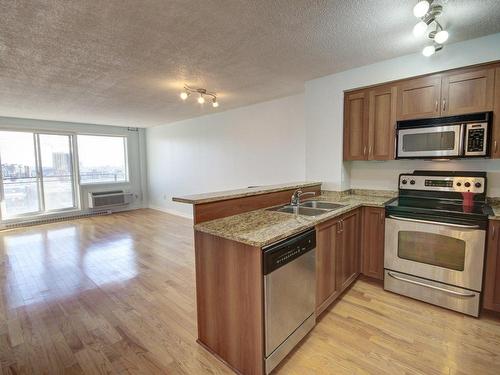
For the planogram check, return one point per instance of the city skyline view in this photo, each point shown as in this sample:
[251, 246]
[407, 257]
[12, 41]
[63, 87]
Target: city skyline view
[32, 184]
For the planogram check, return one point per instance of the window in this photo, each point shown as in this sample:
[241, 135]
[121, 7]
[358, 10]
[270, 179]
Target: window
[102, 159]
[37, 173]
[20, 178]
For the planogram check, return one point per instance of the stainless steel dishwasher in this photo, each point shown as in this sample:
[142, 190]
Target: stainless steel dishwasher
[289, 294]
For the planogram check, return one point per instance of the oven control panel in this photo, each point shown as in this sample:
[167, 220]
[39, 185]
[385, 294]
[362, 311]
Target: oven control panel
[442, 183]
[475, 139]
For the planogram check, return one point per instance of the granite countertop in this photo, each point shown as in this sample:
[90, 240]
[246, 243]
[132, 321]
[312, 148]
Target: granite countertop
[238, 193]
[261, 227]
[495, 206]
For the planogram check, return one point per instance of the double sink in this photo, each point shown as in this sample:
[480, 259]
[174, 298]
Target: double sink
[308, 208]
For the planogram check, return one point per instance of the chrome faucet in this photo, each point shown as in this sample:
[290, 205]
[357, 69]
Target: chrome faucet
[295, 201]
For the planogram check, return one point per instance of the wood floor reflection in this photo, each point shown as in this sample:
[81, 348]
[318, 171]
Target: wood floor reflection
[115, 294]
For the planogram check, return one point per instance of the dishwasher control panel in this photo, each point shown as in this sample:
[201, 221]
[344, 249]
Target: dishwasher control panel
[277, 255]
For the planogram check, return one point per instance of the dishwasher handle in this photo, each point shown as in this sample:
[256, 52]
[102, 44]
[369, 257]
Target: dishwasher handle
[284, 252]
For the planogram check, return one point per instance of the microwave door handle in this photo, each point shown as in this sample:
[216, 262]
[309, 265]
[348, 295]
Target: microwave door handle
[430, 286]
[434, 222]
[461, 135]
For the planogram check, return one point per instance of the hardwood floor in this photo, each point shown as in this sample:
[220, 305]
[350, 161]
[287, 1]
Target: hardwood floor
[115, 294]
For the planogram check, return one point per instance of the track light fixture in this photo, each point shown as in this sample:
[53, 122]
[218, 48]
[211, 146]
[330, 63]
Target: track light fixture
[428, 11]
[201, 92]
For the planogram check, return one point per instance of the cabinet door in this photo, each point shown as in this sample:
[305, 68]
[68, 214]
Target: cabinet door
[355, 119]
[491, 299]
[381, 123]
[419, 98]
[467, 92]
[372, 242]
[495, 139]
[348, 253]
[326, 249]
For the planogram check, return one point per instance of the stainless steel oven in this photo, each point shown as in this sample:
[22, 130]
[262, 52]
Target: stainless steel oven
[443, 257]
[447, 137]
[435, 242]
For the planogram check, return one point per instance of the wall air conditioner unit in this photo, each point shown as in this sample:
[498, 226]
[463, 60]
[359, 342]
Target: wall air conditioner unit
[100, 199]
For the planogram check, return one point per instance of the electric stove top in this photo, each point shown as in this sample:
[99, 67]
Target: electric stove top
[452, 197]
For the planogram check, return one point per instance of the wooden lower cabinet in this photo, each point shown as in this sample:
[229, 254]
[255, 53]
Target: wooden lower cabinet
[328, 239]
[337, 257]
[372, 242]
[229, 302]
[491, 299]
[347, 267]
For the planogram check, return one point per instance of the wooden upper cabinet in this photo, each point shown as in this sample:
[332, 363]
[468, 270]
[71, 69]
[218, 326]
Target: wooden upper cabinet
[381, 123]
[369, 122]
[491, 299]
[467, 91]
[355, 118]
[372, 242]
[347, 258]
[419, 98]
[327, 243]
[370, 114]
[495, 139]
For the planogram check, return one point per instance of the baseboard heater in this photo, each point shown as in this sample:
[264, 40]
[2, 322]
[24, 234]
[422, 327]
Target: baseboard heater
[50, 220]
[101, 199]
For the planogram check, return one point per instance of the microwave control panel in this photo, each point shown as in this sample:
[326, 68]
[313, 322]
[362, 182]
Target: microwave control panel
[476, 136]
[438, 183]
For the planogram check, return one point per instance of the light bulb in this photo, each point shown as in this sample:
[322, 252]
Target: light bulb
[215, 103]
[428, 51]
[441, 36]
[420, 9]
[419, 29]
[184, 95]
[201, 99]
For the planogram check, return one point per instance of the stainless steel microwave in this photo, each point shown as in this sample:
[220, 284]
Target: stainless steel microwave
[463, 136]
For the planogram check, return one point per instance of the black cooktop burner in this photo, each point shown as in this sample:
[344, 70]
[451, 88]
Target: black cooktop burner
[442, 196]
[440, 206]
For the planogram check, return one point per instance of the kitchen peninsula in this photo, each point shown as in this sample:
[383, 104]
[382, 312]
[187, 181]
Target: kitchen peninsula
[232, 231]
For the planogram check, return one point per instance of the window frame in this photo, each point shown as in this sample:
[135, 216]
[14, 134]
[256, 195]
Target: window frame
[125, 155]
[77, 204]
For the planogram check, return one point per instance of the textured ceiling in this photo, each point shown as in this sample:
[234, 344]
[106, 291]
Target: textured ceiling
[123, 62]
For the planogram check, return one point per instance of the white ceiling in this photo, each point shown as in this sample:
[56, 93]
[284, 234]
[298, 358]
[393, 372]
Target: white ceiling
[123, 62]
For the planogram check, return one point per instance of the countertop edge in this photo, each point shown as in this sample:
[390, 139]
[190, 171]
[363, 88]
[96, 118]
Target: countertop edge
[240, 193]
[312, 224]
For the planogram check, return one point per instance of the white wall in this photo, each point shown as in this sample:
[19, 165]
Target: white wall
[324, 117]
[254, 145]
[135, 148]
[383, 175]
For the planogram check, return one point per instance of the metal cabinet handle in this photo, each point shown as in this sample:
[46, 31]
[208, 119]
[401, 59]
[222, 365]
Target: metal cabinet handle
[434, 222]
[364, 150]
[444, 105]
[436, 106]
[469, 295]
[493, 232]
[370, 151]
[495, 146]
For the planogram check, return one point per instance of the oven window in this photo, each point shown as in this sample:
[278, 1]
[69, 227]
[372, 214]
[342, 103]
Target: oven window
[431, 248]
[432, 141]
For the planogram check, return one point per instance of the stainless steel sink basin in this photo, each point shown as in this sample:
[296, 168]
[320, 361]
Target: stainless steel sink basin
[299, 210]
[308, 208]
[322, 204]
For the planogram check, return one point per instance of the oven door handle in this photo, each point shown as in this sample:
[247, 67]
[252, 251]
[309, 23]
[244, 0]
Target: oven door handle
[469, 295]
[434, 222]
